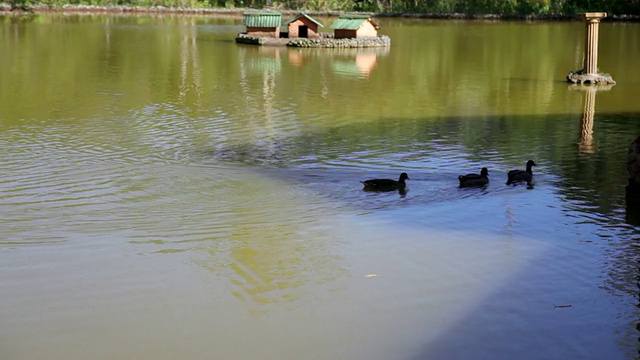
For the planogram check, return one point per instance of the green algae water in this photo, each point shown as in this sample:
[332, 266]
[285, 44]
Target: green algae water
[167, 193]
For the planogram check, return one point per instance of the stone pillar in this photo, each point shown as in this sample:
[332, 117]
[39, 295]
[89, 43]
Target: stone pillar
[589, 73]
[591, 45]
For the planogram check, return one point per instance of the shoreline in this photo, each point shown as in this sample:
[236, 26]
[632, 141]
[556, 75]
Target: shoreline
[327, 41]
[5, 9]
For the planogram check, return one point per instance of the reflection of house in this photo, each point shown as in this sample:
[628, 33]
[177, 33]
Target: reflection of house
[355, 26]
[359, 62]
[262, 60]
[266, 24]
[365, 62]
[362, 66]
[303, 26]
[295, 57]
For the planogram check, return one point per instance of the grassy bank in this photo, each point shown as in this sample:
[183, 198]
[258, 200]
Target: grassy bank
[505, 7]
[625, 10]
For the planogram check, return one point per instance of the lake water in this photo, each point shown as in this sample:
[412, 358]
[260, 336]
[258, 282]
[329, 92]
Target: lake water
[166, 193]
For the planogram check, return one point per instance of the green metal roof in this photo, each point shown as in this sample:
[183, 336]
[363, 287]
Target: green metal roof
[262, 19]
[352, 22]
[303, 15]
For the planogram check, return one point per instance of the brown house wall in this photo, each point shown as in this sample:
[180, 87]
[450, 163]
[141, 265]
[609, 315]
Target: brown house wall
[267, 32]
[342, 34]
[313, 28]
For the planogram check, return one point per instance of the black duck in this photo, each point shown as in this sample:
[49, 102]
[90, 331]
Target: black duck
[516, 176]
[475, 179]
[386, 184]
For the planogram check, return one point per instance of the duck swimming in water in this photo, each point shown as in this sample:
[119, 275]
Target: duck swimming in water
[516, 176]
[475, 179]
[386, 184]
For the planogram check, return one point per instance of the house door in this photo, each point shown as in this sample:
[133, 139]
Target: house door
[303, 31]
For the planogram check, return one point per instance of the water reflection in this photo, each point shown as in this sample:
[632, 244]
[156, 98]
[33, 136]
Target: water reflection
[257, 181]
[632, 213]
[358, 62]
[351, 62]
[586, 145]
[632, 190]
[401, 192]
[586, 123]
[295, 57]
[190, 72]
[261, 58]
[271, 258]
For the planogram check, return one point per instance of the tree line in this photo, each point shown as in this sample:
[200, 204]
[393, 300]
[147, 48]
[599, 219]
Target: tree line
[505, 7]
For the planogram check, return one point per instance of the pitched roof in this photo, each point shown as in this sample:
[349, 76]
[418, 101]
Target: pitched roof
[262, 19]
[352, 22]
[303, 15]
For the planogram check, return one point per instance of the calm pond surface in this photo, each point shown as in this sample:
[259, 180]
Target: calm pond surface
[166, 193]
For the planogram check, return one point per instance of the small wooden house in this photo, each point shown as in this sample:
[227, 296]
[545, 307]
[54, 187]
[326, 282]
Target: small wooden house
[354, 26]
[303, 26]
[266, 24]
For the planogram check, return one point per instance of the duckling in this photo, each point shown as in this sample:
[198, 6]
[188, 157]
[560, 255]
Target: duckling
[475, 179]
[516, 176]
[386, 184]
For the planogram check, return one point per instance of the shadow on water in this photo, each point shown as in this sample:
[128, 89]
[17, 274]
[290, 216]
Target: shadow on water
[581, 162]
[530, 308]
[633, 214]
